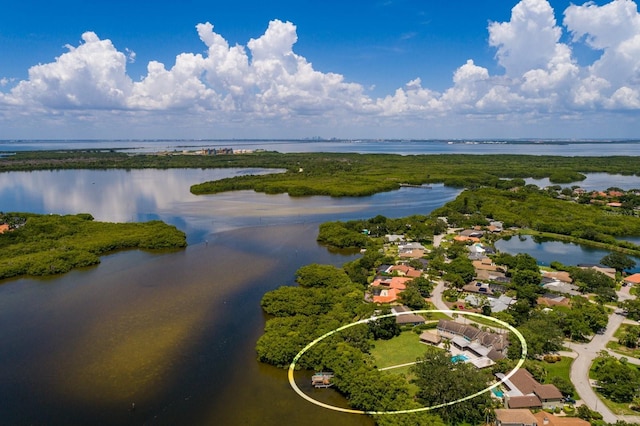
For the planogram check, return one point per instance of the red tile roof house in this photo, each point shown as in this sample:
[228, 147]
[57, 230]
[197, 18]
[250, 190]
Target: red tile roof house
[523, 391]
[632, 279]
[4, 228]
[388, 288]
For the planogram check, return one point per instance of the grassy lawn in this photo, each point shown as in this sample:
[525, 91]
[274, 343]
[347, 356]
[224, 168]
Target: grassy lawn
[619, 408]
[622, 349]
[561, 368]
[435, 315]
[403, 349]
[399, 350]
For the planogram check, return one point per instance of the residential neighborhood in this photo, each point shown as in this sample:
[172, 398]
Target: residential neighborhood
[490, 290]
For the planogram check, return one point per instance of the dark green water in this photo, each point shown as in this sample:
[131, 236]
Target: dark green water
[173, 333]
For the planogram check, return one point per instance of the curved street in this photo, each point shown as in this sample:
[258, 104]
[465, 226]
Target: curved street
[587, 352]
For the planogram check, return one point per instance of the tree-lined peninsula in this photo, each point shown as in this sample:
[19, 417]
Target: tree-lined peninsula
[39, 245]
[337, 174]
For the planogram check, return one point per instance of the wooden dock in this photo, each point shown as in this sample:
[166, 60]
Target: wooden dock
[322, 380]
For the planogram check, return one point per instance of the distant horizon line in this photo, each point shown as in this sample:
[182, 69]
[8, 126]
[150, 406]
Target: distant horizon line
[317, 139]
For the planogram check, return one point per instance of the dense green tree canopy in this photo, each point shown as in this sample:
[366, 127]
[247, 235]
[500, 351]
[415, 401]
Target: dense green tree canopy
[384, 328]
[542, 333]
[412, 297]
[53, 244]
[632, 308]
[618, 380]
[592, 281]
[540, 212]
[630, 336]
[324, 276]
[583, 319]
[439, 381]
[618, 261]
[463, 267]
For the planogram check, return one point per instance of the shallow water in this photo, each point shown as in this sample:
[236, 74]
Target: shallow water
[172, 332]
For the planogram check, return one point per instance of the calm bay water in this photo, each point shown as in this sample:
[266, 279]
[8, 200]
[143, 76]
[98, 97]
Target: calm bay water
[174, 333]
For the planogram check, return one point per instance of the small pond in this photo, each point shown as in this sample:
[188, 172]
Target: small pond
[547, 251]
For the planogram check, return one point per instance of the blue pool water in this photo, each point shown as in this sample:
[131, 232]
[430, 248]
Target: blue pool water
[459, 358]
[497, 393]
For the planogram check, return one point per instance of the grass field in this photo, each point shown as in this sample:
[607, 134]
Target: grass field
[619, 408]
[561, 368]
[399, 350]
[622, 349]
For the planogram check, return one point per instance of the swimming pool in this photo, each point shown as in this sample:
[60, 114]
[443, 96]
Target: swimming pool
[459, 358]
[498, 393]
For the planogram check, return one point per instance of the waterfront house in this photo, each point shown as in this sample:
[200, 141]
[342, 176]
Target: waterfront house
[471, 233]
[562, 276]
[483, 347]
[555, 285]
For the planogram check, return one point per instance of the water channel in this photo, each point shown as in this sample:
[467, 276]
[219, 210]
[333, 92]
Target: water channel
[173, 333]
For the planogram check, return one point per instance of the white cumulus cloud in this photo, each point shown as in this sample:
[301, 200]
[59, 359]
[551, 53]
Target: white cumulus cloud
[265, 82]
[613, 29]
[91, 75]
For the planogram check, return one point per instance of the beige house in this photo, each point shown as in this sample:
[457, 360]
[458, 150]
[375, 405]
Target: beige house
[523, 391]
[519, 417]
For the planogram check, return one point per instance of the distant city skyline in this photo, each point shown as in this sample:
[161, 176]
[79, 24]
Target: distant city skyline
[400, 69]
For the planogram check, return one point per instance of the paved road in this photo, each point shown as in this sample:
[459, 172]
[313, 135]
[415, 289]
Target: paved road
[587, 352]
[437, 239]
[436, 297]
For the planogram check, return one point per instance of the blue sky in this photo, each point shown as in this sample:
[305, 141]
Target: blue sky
[295, 69]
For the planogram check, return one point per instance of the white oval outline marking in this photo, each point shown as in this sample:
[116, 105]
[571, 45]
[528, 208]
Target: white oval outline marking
[295, 387]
